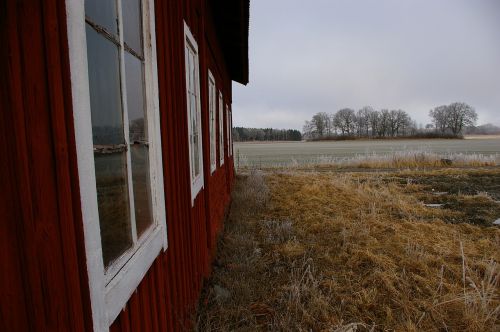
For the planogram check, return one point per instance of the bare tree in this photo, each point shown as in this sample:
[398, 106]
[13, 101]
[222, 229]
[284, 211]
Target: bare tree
[383, 128]
[439, 118]
[320, 122]
[345, 120]
[459, 116]
[363, 121]
[454, 117]
[374, 119]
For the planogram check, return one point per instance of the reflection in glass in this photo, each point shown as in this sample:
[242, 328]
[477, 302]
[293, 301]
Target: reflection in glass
[104, 84]
[103, 13]
[142, 191]
[132, 24]
[135, 98]
[112, 199]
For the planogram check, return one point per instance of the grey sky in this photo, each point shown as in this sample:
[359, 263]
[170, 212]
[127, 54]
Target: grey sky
[323, 55]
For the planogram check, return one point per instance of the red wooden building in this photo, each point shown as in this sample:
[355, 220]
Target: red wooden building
[117, 162]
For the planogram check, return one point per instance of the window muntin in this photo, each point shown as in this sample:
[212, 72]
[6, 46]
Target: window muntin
[119, 128]
[212, 107]
[221, 129]
[193, 112]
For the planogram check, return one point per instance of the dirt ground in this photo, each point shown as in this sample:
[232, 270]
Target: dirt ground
[358, 251]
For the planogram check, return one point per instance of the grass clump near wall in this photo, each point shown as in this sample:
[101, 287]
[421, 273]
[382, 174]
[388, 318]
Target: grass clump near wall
[356, 251]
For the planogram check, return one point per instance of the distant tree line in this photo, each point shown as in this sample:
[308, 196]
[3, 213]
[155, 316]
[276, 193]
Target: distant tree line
[447, 121]
[241, 134]
[486, 129]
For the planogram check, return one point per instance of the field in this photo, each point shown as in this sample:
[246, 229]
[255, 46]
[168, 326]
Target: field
[279, 154]
[399, 250]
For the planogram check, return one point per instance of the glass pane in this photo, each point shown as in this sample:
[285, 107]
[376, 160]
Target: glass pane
[135, 98]
[112, 199]
[142, 190]
[104, 13]
[132, 29]
[104, 85]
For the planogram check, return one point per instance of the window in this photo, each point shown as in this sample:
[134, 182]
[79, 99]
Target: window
[115, 108]
[212, 107]
[229, 133]
[193, 112]
[221, 129]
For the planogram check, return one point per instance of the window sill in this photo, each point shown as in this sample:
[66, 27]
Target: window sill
[126, 281]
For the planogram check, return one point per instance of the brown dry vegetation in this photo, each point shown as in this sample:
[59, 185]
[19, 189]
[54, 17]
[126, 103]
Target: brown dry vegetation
[355, 251]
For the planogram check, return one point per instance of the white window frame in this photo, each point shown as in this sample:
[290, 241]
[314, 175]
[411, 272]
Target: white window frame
[111, 288]
[221, 129]
[197, 181]
[232, 143]
[212, 107]
[229, 133]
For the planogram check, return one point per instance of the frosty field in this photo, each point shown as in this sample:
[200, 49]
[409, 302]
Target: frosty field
[264, 154]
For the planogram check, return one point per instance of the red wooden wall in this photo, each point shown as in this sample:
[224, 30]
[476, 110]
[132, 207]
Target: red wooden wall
[43, 283]
[43, 280]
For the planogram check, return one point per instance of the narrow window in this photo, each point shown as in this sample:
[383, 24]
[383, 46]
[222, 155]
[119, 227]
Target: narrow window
[193, 112]
[212, 106]
[221, 129]
[112, 52]
[229, 133]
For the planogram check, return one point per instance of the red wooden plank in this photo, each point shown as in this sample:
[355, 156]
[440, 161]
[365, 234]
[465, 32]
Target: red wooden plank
[144, 303]
[63, 180]
[135, 312]
[125, 320]
[154, 296]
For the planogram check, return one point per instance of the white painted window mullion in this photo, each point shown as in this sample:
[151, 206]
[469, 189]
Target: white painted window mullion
[126, 128]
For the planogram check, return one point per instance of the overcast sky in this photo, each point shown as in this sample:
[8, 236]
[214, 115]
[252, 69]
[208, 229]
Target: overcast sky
[309, 56]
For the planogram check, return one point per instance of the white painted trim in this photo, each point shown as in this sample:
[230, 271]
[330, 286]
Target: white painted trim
[228, 126]
[231, 132]
[198, 181]
[212, 107]
[221, 129]
[156, 151]
[77, 44]
[108, 300]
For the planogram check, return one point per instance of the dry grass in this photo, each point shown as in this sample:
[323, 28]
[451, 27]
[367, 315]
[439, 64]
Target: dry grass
[351, 252]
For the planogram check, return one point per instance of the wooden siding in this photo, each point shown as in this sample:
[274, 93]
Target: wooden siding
[44, 283]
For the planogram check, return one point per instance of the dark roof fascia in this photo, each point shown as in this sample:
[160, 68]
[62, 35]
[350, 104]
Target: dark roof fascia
[232, 18]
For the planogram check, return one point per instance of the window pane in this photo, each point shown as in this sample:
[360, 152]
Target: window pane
[142, 190]
[104, 13]
[104, 85]
[135, 98]
[132, 33]
[112, 199]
